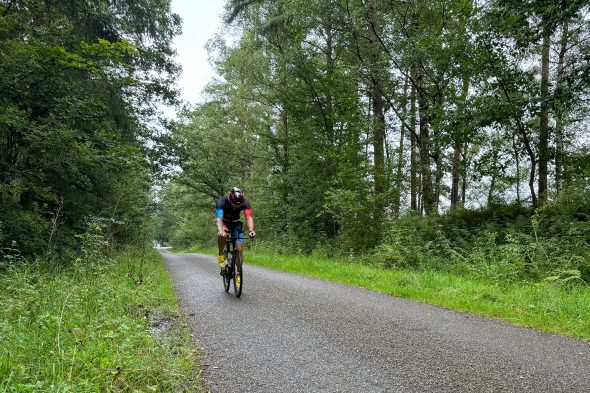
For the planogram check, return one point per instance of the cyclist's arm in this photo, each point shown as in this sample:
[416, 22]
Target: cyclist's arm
[219, 224]
[219, 218]
[249, 219]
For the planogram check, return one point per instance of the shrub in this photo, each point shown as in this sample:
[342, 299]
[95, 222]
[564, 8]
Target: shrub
[500, 243]
[410, 241]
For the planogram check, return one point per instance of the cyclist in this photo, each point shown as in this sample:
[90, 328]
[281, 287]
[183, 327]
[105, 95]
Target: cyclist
[227, 210]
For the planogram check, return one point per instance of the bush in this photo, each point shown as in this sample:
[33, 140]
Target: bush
[565, 226]
[411, 241]
[500, 243]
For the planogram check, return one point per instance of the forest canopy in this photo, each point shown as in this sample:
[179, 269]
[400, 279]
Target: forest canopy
[440, 134]
[418, 132]
[79, 88]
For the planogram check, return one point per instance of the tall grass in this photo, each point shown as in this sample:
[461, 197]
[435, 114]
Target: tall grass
[546, 306]
[90, 327]
[489, 246]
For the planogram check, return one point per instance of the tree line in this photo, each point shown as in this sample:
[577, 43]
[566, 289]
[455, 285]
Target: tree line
[406, 131]
[344, 119]
[80, 82]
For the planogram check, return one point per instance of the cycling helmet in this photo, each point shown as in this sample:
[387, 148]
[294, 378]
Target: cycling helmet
[236, 196]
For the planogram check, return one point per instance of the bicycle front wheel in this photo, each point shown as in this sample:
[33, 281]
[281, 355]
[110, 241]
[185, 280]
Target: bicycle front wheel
[238, 275]
[227, 275]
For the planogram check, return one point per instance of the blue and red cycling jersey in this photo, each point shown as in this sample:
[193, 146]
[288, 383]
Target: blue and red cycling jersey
[227, 212]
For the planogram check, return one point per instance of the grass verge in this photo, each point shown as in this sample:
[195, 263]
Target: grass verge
[544, 306]
[111, 325]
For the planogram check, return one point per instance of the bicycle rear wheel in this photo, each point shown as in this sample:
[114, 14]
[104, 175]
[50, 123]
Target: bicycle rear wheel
[238, 276]
[227, 273]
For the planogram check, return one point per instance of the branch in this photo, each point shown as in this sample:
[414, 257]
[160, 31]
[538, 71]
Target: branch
[8, 8]
[374, 82]
[238, 9]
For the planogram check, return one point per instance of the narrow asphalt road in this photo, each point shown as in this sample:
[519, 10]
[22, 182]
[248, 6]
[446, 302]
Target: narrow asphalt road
[297, 334]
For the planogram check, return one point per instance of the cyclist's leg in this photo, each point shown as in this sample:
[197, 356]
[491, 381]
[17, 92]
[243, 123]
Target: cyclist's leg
[221, 241]
[239, 234]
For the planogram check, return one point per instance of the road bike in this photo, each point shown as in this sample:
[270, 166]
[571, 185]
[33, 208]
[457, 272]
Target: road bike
[235, 260]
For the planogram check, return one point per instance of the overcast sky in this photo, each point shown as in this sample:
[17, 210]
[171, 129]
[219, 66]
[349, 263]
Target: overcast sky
[200, 20]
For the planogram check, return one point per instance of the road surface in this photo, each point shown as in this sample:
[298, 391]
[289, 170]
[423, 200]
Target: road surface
[290, 333]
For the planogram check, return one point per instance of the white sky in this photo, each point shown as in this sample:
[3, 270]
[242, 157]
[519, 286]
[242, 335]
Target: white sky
[200, 20]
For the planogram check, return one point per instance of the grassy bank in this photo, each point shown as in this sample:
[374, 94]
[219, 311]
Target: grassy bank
[544, 306]
[112, 325]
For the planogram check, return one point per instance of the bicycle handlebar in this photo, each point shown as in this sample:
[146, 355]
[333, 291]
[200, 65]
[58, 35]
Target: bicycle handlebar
[238, 238]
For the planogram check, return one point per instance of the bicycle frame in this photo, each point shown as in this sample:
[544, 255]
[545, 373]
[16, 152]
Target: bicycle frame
[230, 242]
[233, 270]
[230, 246]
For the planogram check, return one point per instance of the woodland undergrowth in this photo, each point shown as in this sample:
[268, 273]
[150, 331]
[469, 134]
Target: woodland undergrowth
[92, 324]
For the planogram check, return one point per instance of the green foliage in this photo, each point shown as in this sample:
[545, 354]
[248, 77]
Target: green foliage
[566, 225]
[77, 96]
[175, 224]
[293, 121]
[86, 327]
[404, 243]
[502, 243]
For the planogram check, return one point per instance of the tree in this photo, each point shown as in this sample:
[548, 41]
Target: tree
[79, 90]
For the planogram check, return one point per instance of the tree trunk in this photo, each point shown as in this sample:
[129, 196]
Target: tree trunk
[330, 72]
[494, 176]
[533, 158]
[517, 159]
[464, 174]
[420, 199]
[438, 179]
[455, 175]
[457, 145]
[378, 104]
[560, 112]
[427, 186]
[428, 202]
[285, 121]
[526, 141]
[544, 120]
[413, 151]
[438, 157]
[400, 157]
[491, 190]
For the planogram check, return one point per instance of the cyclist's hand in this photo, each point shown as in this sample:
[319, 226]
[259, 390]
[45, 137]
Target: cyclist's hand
[252, 234]
[221, 234]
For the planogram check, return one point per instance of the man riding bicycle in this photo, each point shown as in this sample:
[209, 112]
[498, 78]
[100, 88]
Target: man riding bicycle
[227, 212]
